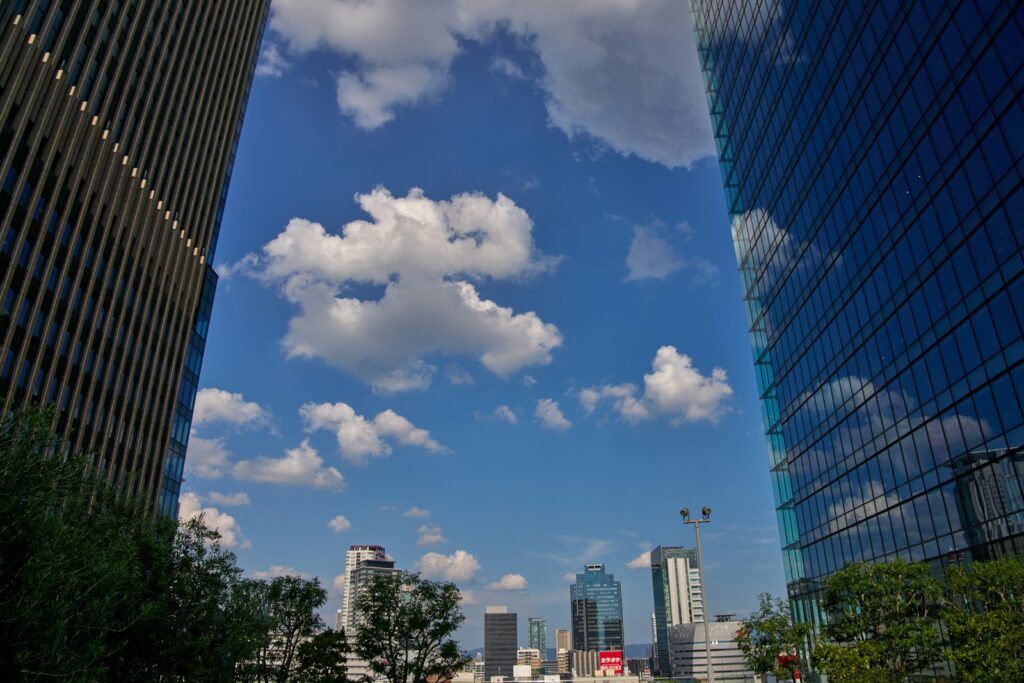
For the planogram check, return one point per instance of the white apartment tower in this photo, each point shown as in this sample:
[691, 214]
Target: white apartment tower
[354, 555]
[677, 597]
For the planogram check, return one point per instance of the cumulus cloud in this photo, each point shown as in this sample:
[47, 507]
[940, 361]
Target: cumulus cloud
[360, 439]
[569, 576]
[272, 62]
[652, 257]
[190, 507]
[509, 582]
[675, 389]
[430, 534]
[217, 405]
[338, 583]
[339, 524]
[276, 571]
[300, 466]
[206, 458]
[424, 253]
[506, 67]
[415, 512]
[550, 415]
[459, 566]
[641, 561]
[505, 414]
[623, 73]
[230, 499]
[467, 597]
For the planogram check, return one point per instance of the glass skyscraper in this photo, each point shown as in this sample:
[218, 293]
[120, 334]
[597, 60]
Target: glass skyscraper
[677, 596]
[539, 636]
[118, 126]
[871, 157]
[596, 606]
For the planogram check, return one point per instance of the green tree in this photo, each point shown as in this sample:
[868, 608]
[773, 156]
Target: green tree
[768, 634]
[884, 613]
[322, 659]
[290, 604]
[406, 628]
[984, 618]
[95, 586]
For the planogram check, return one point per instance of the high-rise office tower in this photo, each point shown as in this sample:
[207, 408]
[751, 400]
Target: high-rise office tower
[539, 636]
[596, 607]
[118, 126]
[500, 642]
[353, 556]
[563, 639]
[871, 156]
[677, 596]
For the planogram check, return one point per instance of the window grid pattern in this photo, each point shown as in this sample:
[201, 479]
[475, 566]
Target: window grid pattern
[871, 155]
[118, 127]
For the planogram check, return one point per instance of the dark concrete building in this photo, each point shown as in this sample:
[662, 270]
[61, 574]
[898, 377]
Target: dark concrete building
[118, 127]
[872, 159]
[501, 642]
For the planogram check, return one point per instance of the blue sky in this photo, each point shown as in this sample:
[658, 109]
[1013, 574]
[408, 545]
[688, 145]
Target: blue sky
[530, 333]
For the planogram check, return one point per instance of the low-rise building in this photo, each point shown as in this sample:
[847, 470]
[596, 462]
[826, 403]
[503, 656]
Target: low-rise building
[687, 654]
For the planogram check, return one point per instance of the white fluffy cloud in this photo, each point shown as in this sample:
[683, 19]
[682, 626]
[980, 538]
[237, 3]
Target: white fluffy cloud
[459, 566]
[569, 576]
[217, 405]
[360, 439]
[430, 534]
[550, 414]
[509, 582]
[277, 570]
[340, 523]
[424, 253]
[652, 257]
[416, 512]
[675, 389]
[338, 583]
[190, 506]
[206, 458]
[641, 561]
[622, 71]
[230, 499]
[505, 414]
[300, 466]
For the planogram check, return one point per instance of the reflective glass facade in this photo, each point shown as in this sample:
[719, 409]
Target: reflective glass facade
[118, 126]
[596, 606]
[871, 156]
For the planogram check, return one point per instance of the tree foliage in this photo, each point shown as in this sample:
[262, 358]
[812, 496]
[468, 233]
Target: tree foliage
[406, 624]
[768, 634]
[95, 586]
[322, 658]
[289, 604]
[884, 614]
[984, 619]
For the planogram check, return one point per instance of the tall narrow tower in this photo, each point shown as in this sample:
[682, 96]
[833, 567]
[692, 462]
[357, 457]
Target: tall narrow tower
[355, 555]
[118, 127]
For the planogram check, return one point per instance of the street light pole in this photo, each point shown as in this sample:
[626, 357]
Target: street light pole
[705, 519]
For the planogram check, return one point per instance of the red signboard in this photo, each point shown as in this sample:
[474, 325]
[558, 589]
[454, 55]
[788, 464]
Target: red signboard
[610, 661]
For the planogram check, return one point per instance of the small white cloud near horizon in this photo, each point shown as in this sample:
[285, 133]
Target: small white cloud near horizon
[675, 389]
[509, 582]
[301, 466]
[230, 499]
[417, 513]
[569, 576]
[190, 507]
[641, 561]
[338, 584]
[278, 571]
[550, 414]
[360, 439]
[457, 567]
[217, 405]
[340, 524]
[429, 535]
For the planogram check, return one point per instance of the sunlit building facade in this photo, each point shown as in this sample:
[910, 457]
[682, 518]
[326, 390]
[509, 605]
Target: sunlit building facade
[118, 127]
[596, 610]
[871, 157]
